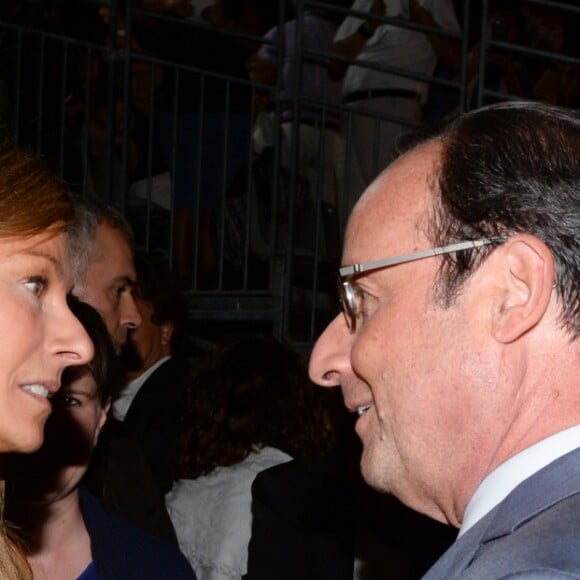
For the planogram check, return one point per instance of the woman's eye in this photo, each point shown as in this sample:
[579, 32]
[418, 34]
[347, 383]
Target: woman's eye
[70, 401]
[36, 285]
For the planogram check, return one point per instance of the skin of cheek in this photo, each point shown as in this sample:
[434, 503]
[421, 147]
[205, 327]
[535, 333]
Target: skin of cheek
[23, 418]
[417, 374]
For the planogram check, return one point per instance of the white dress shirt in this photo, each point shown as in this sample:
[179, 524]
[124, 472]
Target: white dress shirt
[122, 404]
[393, 46]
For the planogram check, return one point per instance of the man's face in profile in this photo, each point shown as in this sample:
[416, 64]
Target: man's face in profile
[413, 370]
[148, 343]
[109, 284]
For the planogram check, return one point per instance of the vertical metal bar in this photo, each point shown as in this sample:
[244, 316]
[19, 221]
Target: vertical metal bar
[348, 153]
[127, 60]
[483, 52]
[85, 133]
[198, 174]
[294, 147]
[150, 138]
[224, 185]
[319, 225]
[278, 266]
[249, 200]
[173, 164]
[39, 96]
[63, 95]
[18, 83]
[463, 94]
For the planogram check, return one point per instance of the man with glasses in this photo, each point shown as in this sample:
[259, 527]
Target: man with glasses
[458, 342]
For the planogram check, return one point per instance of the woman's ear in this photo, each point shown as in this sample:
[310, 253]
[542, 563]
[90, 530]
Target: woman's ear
[103, 414]
[526, 274]
[167, 329]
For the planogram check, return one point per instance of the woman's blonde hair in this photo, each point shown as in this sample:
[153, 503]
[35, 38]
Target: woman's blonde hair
[13, 563]
[33, 200]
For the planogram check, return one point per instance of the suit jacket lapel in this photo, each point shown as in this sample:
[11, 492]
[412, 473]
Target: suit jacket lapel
[552, 484]
[461, 552]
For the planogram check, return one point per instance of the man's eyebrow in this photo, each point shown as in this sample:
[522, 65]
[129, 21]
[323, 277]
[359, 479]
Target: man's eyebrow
[47, 256]
[125, 280]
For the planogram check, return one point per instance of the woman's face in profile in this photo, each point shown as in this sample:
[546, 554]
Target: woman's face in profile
[72, 430]
[39, 335]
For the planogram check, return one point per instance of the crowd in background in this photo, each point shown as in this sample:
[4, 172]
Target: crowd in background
[172, 438]
[214, 90]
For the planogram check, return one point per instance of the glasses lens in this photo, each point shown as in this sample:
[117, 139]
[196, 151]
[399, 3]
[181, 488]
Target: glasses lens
[347, 303]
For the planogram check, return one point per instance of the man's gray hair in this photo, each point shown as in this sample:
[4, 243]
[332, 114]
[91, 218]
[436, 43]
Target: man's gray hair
[90, 214]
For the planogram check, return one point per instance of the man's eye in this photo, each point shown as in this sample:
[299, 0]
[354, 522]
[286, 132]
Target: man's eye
[364, 304]
[36, 285]
[121, 289]
[359, 298]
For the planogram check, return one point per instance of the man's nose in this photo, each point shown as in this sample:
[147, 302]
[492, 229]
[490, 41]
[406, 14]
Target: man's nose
[330, 358]
[131, 317]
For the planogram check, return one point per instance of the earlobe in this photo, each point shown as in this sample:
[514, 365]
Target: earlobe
[167, 332]
[527, 277]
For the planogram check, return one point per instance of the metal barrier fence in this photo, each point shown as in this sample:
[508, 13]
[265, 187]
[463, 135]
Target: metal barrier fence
[244, 183]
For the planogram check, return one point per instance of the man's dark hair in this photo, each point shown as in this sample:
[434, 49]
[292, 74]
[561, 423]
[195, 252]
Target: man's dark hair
[510, 168]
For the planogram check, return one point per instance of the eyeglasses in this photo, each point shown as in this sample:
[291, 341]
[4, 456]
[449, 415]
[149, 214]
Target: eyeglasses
[350, 299]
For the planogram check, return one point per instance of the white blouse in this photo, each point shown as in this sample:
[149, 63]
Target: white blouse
[212, 515]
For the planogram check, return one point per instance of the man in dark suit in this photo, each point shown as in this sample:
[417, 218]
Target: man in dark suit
[302, 516]
[105, 277]
[458, 344]
[155, 358]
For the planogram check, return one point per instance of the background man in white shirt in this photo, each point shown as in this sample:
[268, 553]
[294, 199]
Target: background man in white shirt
[376, 93]
[155, 358]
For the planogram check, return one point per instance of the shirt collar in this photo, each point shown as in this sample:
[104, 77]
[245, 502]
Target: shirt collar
[501, 481]
[123, 402]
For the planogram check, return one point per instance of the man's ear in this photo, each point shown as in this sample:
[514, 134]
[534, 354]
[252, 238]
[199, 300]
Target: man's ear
[526, 275]
[167, 329]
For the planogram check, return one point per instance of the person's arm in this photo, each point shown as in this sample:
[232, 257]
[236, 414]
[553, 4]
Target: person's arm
[350, 46]
[448, 50]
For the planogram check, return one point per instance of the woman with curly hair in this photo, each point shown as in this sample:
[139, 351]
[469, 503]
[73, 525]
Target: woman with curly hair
[248, 405]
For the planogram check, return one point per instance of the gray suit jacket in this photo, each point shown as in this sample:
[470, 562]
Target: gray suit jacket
[533, 533]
